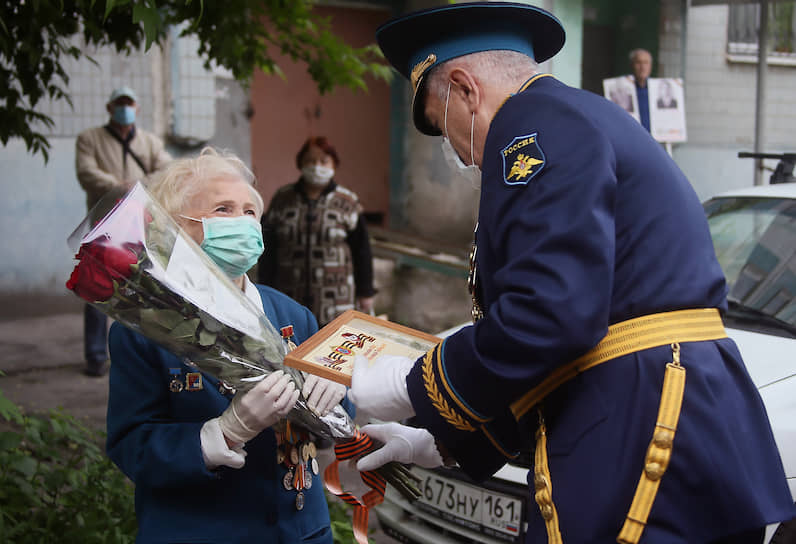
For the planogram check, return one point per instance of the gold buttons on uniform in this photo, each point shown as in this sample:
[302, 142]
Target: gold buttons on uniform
[658, 454]
[654, 471]
[663, 438]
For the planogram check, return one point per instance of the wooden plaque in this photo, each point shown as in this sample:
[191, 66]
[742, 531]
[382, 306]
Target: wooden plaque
[330, 352]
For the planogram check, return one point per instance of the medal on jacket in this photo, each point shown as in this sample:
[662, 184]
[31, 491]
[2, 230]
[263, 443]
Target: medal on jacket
[175, 385]
[287, 335]
[300, 501]
[287, 480]
[472, 280]
[224, 388]
[193, 381]
[296, 451]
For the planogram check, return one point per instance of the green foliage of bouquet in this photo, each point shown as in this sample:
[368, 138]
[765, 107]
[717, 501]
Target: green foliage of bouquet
[57, 485]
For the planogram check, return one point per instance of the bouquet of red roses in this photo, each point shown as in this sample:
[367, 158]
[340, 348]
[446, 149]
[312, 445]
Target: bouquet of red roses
[137, 266]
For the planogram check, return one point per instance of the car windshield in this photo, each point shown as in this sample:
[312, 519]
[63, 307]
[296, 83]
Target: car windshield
[755, 241]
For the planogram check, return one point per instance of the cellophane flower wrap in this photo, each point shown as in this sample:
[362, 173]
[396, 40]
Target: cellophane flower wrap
[137, 266]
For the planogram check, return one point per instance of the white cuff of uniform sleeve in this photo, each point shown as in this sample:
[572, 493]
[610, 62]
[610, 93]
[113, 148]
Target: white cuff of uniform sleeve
[215, 450]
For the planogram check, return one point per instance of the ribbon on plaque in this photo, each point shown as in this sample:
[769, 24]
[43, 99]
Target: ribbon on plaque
[358, 446]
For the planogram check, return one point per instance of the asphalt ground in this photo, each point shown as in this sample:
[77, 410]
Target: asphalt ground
[41, 341]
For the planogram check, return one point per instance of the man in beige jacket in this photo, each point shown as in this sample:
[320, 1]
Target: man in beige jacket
[112, 158]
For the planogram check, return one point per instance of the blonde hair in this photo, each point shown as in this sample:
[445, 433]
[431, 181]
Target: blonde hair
[177, 184]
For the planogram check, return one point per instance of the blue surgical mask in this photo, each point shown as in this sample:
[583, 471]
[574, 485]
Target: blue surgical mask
[124, 115]
[234, 243]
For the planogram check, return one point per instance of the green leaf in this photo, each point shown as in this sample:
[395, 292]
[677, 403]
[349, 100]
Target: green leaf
[9, 440]
[150, 17]
[109, 4]
[9, 410]
[210, 323]
[207, 338]
[167, 319]
[25, 465]
[185, 330]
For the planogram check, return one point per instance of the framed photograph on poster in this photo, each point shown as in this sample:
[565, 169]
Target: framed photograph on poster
[330, 352]
[667, 109]
[622, 92]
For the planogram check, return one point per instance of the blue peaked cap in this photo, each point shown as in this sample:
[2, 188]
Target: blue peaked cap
[417, 42]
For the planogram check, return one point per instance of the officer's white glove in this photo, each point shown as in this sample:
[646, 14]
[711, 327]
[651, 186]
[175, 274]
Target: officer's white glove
[322, 395]
[378, 388]
[265, 404]
[401, 443]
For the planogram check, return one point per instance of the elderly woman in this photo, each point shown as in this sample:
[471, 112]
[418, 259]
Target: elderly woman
[206, 464]
[318, 251]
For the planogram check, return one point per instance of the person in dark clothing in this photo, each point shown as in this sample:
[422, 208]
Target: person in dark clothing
[641, 64]
[317, 249]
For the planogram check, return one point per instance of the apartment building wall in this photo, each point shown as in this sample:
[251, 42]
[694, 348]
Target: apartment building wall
[42, 202]
[720, 100]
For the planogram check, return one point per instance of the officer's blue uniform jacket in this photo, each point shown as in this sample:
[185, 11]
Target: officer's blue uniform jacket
[153, 436]
[585, 221]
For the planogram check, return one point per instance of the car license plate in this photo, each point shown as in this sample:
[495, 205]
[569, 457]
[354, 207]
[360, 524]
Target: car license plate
[474, 507]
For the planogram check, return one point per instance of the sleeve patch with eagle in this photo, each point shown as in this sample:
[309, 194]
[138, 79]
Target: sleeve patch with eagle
[522, 159]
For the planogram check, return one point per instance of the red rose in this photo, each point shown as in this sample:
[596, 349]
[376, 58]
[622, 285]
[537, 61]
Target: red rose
[99, 264]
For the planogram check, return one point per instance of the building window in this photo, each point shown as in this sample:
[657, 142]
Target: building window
[743, 27]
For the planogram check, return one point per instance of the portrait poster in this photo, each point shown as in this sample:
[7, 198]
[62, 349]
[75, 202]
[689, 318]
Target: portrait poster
[330, 352]
[622, 91]
[667, 109]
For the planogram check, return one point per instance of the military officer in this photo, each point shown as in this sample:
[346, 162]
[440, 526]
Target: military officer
[596, 291]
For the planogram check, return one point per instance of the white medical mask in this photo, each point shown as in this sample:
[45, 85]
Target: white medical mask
[471, 172]
[317, 175]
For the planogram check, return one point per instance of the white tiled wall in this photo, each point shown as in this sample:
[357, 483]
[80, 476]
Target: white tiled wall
[720, 95]
[669, 62]
[175, 92]
[193, 92]
[90, 86]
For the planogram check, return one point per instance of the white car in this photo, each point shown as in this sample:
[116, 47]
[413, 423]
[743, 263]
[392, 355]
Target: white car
[754, 233]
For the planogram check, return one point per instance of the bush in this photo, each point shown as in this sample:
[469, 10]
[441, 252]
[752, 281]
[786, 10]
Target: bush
[56, 483]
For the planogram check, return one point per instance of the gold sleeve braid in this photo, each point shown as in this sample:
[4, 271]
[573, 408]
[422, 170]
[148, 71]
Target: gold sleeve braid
[437, 400]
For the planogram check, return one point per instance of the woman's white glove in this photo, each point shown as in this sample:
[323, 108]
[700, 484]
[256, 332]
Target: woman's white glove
[322, 395]
[216, 451]
[378, 387]
[401, 443]
[262, 406]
